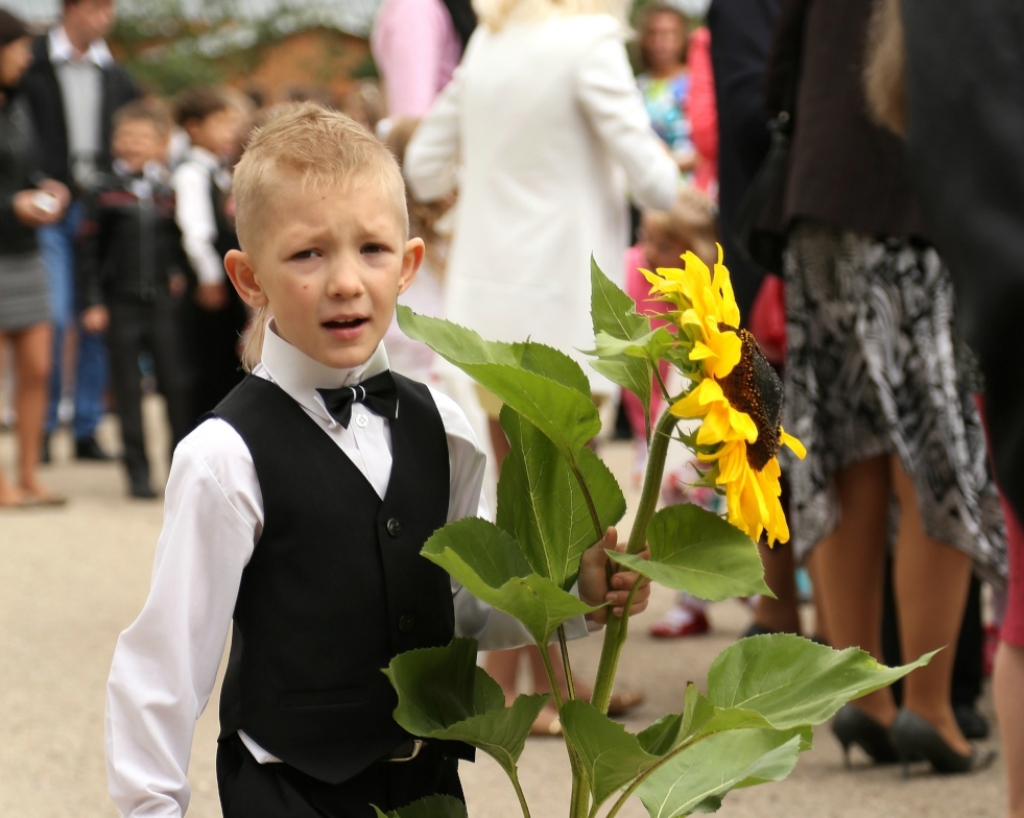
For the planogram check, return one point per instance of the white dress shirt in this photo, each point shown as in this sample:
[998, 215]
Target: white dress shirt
[194, 212]
[80, 77]
[165, 664]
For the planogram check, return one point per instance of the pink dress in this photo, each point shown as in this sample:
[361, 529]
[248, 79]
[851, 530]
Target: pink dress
[638, 288]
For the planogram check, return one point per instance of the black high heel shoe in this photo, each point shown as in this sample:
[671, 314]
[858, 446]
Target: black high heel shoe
[915, 738]
[853, 726]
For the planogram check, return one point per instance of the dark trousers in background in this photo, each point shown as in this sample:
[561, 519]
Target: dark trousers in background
[211, 345]
[251, 790]
[151, 327]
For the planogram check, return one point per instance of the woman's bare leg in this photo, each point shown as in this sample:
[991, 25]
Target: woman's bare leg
[10, 495]
[931, 581]
[32, 351]
[1007, 683]
[781, 614]
[820, 618]
[849, 564]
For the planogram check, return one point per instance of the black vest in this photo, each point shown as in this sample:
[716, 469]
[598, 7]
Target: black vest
[336, 586]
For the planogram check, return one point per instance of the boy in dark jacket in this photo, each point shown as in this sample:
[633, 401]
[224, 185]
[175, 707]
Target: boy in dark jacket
[131, 277]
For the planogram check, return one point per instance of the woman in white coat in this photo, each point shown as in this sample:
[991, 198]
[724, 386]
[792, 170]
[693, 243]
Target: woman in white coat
[544, 132]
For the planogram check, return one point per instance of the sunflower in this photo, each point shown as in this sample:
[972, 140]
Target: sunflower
[737, 395]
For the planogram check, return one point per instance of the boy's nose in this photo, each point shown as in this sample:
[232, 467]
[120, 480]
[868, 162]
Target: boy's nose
[344, 281]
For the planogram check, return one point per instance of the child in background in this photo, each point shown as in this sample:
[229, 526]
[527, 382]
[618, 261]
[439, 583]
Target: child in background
[281, 506]
[214, 316]
[665, 236]
[132, 274]
[426, 295]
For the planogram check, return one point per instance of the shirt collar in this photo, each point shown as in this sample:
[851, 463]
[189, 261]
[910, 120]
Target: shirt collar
[300, 376]
[61, 50]
[204, 158]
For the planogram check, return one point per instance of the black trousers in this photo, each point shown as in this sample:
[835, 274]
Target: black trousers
[211, 347]
[153, 327]
[251, 790]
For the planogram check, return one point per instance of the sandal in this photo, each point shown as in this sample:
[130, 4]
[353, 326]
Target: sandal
[621, 703]
[46, 500]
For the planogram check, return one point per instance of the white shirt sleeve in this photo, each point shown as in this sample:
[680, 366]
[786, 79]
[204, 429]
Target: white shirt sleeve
[608, 93]
[165, 664]
[432, 157]
[197, 222]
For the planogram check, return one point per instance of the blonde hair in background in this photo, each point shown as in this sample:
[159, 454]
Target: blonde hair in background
[691, 222]
[423, 216]
[885, 67]
[325, 149]
[495, 14]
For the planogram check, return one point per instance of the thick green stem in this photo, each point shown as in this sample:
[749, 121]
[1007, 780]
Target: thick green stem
[514, 775]
[565, 662]
[556, 692]
[617, 627]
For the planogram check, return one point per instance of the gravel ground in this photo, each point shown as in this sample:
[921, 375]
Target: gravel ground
[72, 579]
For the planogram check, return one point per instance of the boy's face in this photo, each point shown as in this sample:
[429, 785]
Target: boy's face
[219, 133]
[331, 265]
[138, 141]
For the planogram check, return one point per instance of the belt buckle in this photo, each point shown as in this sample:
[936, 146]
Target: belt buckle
[417, 745]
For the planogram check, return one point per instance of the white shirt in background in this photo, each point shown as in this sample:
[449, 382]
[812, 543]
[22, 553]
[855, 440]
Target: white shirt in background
[194, 212]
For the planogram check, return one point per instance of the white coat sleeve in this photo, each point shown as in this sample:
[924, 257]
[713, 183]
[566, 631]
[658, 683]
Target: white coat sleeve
[608, 94]
[193, 212]
[165, 664]
[432, 157]
[492, 629]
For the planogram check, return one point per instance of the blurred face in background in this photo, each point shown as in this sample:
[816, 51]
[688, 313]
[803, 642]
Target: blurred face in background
[219, 133]
[15, 58]
[660, 249]
[86, 21]
[664, 42]
[138, 141]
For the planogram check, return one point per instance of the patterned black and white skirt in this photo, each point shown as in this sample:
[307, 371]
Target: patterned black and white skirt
[874, 367]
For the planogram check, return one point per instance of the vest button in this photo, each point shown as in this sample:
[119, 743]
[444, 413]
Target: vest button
[405, 623]
[394, 527]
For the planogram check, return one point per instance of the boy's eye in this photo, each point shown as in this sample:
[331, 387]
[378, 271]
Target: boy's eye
[305, 254]
[373, 248]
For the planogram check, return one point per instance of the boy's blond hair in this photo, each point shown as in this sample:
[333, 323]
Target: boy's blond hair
[691, 222]
[324, 149]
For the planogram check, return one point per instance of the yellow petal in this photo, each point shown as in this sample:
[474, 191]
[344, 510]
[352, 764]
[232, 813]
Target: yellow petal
[743, 426]
[793, 443]
[715, 427]
[701, 351]
[729, 348]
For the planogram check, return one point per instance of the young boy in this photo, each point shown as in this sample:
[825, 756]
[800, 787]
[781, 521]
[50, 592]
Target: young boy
[214, 316]
[131, 273]
[299, 510]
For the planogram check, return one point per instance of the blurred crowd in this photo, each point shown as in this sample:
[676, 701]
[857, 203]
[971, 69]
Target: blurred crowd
[533, 134]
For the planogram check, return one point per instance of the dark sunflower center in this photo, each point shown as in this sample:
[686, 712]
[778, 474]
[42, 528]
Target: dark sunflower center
[754, 388]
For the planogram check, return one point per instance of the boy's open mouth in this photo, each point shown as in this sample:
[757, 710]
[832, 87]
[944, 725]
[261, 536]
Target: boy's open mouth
[346, 323]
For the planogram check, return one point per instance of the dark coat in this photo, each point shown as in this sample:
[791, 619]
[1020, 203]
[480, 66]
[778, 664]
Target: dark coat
[19, 170]
[128, 246]
[966, 95]
[741, 38]
[844, 170]
[42, 89]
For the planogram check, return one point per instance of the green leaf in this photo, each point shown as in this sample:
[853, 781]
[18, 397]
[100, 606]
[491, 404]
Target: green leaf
[491, 565]
[443, 694]
[542, 505]
[792, 681]
[698, 552]
[611, 757]
[651, 346]
[544, 385]
[698, 778]
[613, 312]
[433, 806]
[614, 315]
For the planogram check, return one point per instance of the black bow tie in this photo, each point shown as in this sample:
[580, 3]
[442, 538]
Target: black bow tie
[378, 394]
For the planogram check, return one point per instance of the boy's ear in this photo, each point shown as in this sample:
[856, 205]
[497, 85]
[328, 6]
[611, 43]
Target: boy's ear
[411, 261]
[238, 265]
